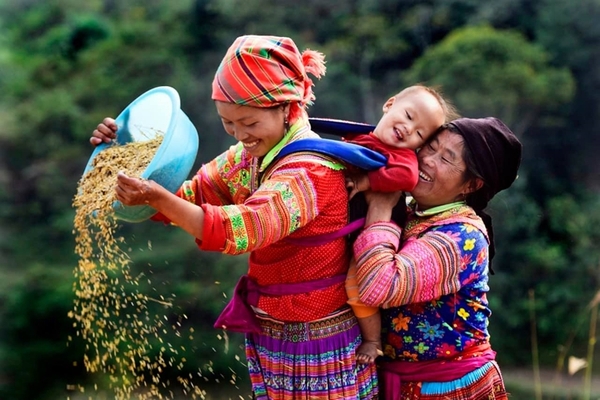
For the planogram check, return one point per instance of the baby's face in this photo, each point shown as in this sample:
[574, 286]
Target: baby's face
[409, 120]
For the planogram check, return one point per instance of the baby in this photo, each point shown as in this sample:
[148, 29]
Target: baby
[409, 119]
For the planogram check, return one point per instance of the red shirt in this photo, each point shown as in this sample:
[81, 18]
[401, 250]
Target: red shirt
[252, 210]
[401, 171]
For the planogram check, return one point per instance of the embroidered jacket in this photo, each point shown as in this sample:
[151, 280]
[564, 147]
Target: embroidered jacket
[252, 206]
[433, 289]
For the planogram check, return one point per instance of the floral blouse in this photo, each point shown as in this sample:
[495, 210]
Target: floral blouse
[433, 289]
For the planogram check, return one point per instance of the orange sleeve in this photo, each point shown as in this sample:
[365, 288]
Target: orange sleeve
[360, 309]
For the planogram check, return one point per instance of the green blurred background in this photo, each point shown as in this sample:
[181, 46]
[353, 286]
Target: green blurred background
[64, 65]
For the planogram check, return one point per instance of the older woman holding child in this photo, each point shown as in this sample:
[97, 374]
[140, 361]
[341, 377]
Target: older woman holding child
[430, 277]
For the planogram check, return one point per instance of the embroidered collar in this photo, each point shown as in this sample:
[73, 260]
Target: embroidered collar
[421, 221]
[296, 131]
[438, 209]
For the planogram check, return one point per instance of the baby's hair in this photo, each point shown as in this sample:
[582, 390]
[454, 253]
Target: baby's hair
[450, 112]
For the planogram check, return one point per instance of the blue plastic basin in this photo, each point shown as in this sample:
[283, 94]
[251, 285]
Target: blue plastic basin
[157, 111]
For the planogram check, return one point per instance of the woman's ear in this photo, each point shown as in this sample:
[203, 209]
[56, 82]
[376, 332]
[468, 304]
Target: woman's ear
[475, 185]
[286, 111]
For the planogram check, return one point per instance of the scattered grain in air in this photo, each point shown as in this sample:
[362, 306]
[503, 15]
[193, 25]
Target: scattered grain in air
[111, 315]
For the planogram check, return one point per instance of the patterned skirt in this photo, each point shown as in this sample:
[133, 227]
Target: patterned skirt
[313, 360]
[485, 383]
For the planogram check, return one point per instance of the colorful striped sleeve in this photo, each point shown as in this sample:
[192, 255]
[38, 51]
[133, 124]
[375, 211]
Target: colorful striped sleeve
[424, 269]
[221, 181]
[288, 200]
[210, 184]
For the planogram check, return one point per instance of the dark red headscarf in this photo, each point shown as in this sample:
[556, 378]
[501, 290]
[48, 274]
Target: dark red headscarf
[497, 155]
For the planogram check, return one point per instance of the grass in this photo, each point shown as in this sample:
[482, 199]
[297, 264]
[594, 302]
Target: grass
[557, 384]
[520, 384]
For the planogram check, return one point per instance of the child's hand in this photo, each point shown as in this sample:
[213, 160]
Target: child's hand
[357, 183]
[105, 132]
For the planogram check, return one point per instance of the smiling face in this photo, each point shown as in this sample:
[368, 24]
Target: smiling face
[441, 171]
[259, 129]
[409, 119]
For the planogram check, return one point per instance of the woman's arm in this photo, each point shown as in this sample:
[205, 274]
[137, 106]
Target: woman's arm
[289, 199]
[423, 270]
[180, 208]
[134, 191]
[211, 184]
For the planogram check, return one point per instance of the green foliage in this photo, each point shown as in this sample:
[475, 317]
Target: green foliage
[34, 333]
[568, 30]
[491, 72]
[551, 250]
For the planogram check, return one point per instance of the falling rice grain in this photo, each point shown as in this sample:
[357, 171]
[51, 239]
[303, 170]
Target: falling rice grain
[105, 291]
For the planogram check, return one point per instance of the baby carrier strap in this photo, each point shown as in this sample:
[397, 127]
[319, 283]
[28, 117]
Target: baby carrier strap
[348, 153]
[339, 127]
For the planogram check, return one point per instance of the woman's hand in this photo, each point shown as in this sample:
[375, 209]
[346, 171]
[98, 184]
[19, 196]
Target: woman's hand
[134, 191]
[381, 205]
[105, 132]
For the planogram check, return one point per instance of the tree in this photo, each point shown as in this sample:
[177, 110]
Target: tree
[570, 33]
[491, 72]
